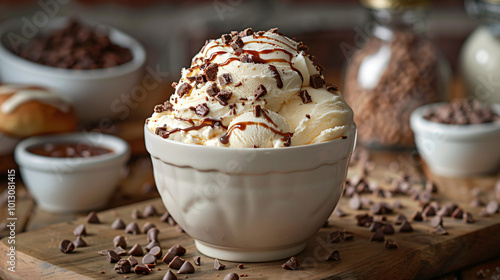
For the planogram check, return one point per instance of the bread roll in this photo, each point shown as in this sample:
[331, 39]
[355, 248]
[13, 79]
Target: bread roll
[28, 111]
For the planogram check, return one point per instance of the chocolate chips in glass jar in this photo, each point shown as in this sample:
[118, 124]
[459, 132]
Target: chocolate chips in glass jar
[462, 112]
[75, 46]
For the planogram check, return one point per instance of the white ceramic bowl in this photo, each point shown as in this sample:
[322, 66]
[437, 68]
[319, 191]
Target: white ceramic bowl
[94, 93]
[72, 184]
[457, 150]
[249, 205]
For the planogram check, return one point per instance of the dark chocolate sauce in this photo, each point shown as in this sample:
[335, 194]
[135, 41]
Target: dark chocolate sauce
[69, 150]
[204, 122]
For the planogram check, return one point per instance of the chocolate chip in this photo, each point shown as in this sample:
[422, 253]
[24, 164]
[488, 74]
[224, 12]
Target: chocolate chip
[80, 230]
[388, 229]
[304, 95]
[147, 226]
[316, 81]
[226, 39]
[291, 264]
[156, 251]
[133, 261]
[79, 242]
[429, 211]
[381, 208]
[232, 276]
[92, 218]
[169, 276]
[225, 79]
[390, 244]
[123, 266]
[186, 268]
[332, 88]
[218, 265]
[149, 211]
[211, 71]
[439, 230]
[103, 252]
[120, 251]
[436, 221]
[212, 90]
[197, 260]
[118, 224]
[339, 212]
[400, 218]
[176, 263]
[457, 214]
[132, 228]
[246, 32]
[200, 78]
[152, 234]
[468, 218]
[164, 217]
[302, 47]
[152, 244]
[223, 96]
[169, 256]
[178, 250]
[364, 220]
[66, 246]
[334, 255]
[378, 236]
[257, 111]
[237, 43]
[183, 89]
[142, 269]
[136, 250]
[417, 216]
[149, 259]
[136, 214]
[335, 237]
[112, 257]
[492, 207]
[374, 226]
[406, 227]
[119, 240]
[247, 58]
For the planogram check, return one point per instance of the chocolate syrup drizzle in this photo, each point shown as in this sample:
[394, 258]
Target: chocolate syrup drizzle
[243, 125]
[204, 122]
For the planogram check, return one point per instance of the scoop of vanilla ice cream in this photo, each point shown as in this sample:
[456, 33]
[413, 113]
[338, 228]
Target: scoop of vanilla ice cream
[216, 98]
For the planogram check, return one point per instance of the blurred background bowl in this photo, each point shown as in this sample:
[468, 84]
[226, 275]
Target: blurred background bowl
[94, 93]
[457, 150]
[63, 184]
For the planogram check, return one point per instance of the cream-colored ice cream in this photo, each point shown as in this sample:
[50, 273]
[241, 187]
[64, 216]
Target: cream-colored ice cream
[253, 90]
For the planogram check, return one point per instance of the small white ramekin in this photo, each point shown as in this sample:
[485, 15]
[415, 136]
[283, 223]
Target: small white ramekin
[457, 150]
[250, 205]
[95, 93]
[72, 184]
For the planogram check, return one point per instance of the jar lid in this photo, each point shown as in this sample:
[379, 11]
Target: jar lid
[392, 4]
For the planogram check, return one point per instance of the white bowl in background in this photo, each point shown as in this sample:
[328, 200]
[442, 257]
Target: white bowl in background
[92, 92]
[72, 184]
[457, 150]
[250, 205]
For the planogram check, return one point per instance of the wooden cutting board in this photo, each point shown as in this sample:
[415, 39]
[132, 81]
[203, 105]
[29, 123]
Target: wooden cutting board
[420, 255]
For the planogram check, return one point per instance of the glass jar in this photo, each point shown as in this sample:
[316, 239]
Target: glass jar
[480, 55]
[396, 70]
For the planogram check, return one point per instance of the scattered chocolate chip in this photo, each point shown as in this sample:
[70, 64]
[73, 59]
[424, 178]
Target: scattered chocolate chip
[120, 251]
[355, 202]
[429, 211]
[66, 246]
[177, 250]
[400, 218]
[152, 244]
[142, 269]
[334, 255]
[388, 229]
[304, 95]
[133, 261]
[247, 58]
[302, 47]
[169, 256]
[231, 276]
[218, 265]
[335, 237]
[80, 230]
[436, 221]
[170, 275]
[211, 71]
[79, 242]
[176, 263]
[457, 214]
[212, 90]
[152, 234]
[381, 208]
[390, 244]
[186, 268]
[378, 236]
[200, 78]
[374, 226]
[149, 211]
[156, 251]
[223, 96]
[149, 259]
[202, 109]
[225, 79]
[197, 260]
[492, 207]
[136, 214]
[118, 224]
[364, 220]
[246, 32]
[92, 218]
[317, 81]
[147, 226]
[417, 216]
[136, 250]
[444, 212]
[237, 43]
[339, 212]
[406, 227]
[291, 264]
[331, 88]
[112, 256]
[226, 39]
[468, 218]
[183, 89]
[164, 217]
[308, 116]
[123, 266]
[439, 230]
[119, 240]
[132, 228]
[257, 111]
